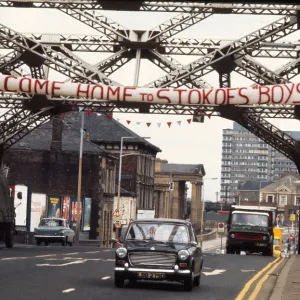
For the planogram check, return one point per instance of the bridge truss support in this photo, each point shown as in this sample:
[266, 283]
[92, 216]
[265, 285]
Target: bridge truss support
[33, 54]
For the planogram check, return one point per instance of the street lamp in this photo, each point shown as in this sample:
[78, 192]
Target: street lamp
[203, 206]
[120, 166]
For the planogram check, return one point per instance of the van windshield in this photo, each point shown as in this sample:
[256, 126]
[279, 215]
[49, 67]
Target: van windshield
[249, 219]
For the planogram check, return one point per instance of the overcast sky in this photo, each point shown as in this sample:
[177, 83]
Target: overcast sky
[188, 143]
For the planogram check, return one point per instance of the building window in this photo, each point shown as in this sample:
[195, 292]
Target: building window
[297, 201]
[270, 198]
[283, 200]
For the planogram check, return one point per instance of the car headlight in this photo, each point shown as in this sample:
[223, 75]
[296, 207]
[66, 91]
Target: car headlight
[232, 236]
[183, 255]
[61, 233]
[265, 238]
[121, 252]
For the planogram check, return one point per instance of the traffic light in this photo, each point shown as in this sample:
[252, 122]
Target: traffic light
[171, 186]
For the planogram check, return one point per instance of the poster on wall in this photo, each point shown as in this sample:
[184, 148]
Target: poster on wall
[54, 207]
[21, 205]
[73, 213]
[66, 208]
[87, 214]
[38, 209]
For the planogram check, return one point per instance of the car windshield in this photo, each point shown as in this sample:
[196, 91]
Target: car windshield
[158, 232]
[249, 219]
[51, 222]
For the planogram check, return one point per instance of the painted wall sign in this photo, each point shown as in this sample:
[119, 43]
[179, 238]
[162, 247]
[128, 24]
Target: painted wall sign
[280, 94]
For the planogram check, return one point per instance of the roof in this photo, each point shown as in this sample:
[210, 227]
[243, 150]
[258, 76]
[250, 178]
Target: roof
[106, 130]
[182, 168]
[288, 181]
[162, 220]
[41, 137]
[253, 185]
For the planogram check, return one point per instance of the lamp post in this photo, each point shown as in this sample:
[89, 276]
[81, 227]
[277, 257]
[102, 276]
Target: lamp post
[120, 169]
[79, 181]
[202, 210]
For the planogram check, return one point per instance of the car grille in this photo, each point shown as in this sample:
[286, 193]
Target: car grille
[47, 233]
[248, 236]
[152, 259]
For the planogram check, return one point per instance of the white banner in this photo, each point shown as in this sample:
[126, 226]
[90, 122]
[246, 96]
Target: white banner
[38, 209]
[280, 94]
[21, 204]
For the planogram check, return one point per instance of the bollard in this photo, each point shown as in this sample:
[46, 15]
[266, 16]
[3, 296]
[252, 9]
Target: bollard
[218, 251]
[223, 251]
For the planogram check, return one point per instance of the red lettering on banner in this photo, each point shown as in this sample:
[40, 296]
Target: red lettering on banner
[114, 91]
[43, 87]
[143, 94]
[205, 96]
[243, 95]
[55, 86]
[125, 94]
[273, 90]
[94, 88]
[82, 91]
[224, 96]
[5, 83]
[298, 90]
[228, 96]
[179, 94]
[22, 87]
[159, 96]
[198, 98]
[150, 97]
[262, 93]
[290, 91]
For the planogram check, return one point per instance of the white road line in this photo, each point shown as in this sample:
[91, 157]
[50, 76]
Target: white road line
[91, 252]
[11, 258]
[68, 290]
[45, 255]
[108, 250]
[75, 253]
[62, 265]
[105, 278]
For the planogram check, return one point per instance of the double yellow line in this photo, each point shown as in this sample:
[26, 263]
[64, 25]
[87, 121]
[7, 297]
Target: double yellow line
[270, 267]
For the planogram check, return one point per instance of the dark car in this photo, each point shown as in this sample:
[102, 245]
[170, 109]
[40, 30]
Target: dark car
[159, 249]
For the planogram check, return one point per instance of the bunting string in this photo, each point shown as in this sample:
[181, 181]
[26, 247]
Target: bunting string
[159, 124]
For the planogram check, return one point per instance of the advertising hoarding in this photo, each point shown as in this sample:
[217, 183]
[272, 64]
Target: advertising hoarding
[38, 209]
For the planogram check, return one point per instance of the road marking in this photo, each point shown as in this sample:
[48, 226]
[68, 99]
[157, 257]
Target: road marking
[11, 258]
[91, 252]
[207, 268]
[75, 253]
[246, 288]
[214, 272]
[248, 270]
[108, 250]
[105, 278]
[68, 290]
[62, 265]
[262, 280]
[45, 255]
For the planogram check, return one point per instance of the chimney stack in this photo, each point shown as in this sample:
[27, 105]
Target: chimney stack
[57, 128]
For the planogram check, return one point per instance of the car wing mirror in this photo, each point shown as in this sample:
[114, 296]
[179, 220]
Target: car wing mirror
[194, 244]
[113, 240]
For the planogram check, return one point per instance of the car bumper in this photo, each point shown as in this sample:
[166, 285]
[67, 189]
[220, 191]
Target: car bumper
[50, 238]
[169, 274]
[248, 244]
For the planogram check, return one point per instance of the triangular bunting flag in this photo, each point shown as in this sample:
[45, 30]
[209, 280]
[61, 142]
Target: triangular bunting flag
[189, 121]
[158, 124]
[128, 122]
[148, 124]
[169, 124]
[138, 123]
[179, 123]
[80, 109]
[208, 115]
[89, 112]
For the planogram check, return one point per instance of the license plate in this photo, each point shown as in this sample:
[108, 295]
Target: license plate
[260, 245]
[144, 275]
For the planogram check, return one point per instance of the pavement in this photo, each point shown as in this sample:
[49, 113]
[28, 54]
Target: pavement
[57, 272]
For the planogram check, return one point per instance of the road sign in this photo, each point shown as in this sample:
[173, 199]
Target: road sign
[118, 224]
[292, 217]
[221, 228]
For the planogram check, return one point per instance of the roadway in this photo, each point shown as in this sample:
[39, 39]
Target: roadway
[55, 272]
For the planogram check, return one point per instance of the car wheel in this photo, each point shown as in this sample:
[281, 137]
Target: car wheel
[189, 282]
[119, 280]
[64, 242]
[9, 238]
[197, 279]
[38, 242]
[46, 243]
[229, 250]
[73, 241]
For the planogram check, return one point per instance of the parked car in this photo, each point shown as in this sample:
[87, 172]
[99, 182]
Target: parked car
[54, 230]
[159, 249]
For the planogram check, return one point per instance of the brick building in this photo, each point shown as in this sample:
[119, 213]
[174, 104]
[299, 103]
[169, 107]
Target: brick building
[46, 160]
[138, 163]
